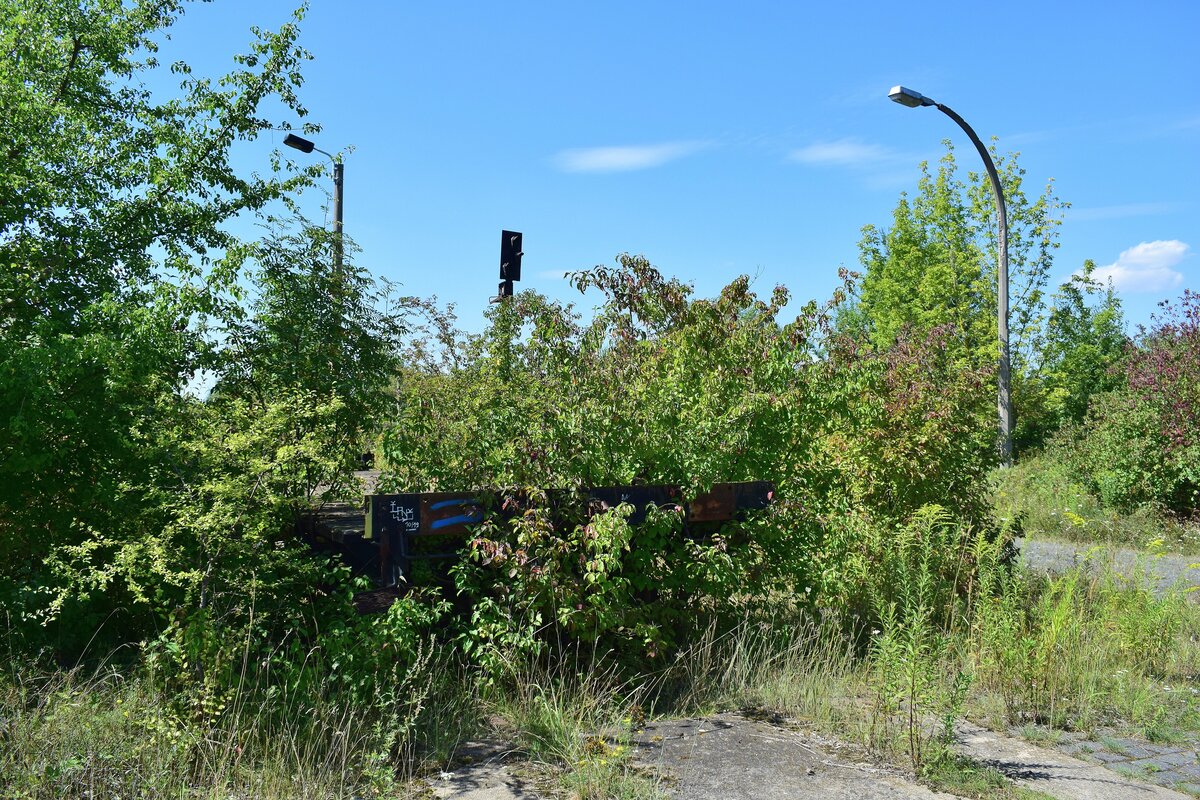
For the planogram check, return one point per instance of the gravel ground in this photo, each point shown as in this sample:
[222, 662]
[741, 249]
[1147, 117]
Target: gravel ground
[1046, 555]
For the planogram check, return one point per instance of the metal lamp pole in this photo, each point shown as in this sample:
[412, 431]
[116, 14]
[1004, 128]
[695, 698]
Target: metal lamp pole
[912, 99]
[305, 146]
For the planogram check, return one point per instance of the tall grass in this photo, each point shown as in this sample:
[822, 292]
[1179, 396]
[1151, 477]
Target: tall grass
[114, 733]
[574, 715]
[1086, 649]
[1050, 501]
[800, 664]
[893, 693]
[103, 735]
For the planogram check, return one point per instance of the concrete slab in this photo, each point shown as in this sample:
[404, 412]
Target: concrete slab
[731, 757]
[1052, 772]
[481, 772]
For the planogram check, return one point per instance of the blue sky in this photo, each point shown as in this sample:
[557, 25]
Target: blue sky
[720, 139]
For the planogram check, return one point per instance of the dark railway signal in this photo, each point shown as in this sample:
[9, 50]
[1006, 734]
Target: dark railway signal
[510, 263]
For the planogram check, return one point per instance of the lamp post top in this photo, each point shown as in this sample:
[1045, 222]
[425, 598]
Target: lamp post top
[304, 145]
[909, 97]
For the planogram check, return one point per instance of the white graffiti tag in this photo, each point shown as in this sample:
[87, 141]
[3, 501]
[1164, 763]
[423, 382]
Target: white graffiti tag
[406, 515]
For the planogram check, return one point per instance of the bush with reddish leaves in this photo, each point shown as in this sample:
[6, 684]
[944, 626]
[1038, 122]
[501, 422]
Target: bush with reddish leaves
[1141, 444]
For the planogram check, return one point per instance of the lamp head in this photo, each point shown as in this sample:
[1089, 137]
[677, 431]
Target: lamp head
[909, 97]
[303, 145]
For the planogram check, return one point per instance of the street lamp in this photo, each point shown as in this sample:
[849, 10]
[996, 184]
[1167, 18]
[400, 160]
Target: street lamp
[913, 99]
[305, 146]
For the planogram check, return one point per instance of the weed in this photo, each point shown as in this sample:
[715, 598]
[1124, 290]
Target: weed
[803, 666]
[1114, 745]
[1162, 733]
[112, 733]
[1051, 501]
[916, 673]
[1087, 648]
[1040, 735]
[574, 717]
[966, 778]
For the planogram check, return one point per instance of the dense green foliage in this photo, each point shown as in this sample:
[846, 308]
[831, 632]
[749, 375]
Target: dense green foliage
[139, 518]
[131, 512]
[1121, 465]
[1082, 347]
[661, 389]
[936, 265]
[1052, 498]
[112, 204]
[113, 256]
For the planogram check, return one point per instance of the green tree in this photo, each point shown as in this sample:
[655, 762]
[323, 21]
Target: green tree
[1077, 358]
[326, 330]
[936, 265]
[113, 252]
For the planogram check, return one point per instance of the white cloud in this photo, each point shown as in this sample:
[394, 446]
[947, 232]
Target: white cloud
[1146, 267]
[842, 153]
[624, 158]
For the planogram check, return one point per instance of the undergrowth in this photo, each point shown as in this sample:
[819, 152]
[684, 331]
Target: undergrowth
[1079, 651]
[1051, 501]
[127, 732]
[876, 597]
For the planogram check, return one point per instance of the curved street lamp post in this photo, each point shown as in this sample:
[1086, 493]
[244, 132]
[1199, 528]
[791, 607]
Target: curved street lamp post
[913, 99]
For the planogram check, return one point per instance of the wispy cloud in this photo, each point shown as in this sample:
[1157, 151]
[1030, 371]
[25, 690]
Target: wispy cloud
[1146, 267]
[1121, 212]
[877, 166]
[843, 153]
[624, 158]
[554, 274]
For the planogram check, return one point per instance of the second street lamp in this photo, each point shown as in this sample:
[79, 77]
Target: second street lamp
[305, 146]
[907, 97]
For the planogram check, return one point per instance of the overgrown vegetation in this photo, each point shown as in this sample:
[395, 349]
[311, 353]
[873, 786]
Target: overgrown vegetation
[1051, 499]
[1124, 471]
[167, 635]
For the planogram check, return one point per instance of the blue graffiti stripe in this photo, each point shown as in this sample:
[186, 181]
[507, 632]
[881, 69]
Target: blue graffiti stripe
[461, 519]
